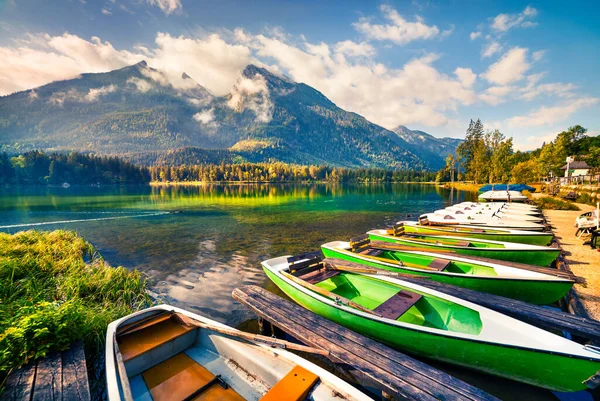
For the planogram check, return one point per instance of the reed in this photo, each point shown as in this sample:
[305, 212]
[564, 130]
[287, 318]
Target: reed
[56, 289]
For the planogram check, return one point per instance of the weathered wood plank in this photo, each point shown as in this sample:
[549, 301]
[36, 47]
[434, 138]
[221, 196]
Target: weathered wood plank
[19, 384]
[48, 379]
[392, 371]
[75, 383]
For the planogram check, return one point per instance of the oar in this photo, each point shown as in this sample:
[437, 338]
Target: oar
[273, 342]
[342, 265]
[337, 298]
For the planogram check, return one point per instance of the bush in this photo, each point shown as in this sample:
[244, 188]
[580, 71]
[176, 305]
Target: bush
[555, 204]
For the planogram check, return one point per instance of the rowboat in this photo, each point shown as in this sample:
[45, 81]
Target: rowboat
[536, 285]
[491, 210]
[431, 324]
[494, 234]
[477, 214]
[167, 353]
[509, 251]
[490, 222]
[511, 196]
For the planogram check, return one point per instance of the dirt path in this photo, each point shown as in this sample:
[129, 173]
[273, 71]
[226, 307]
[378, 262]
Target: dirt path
[582, 259]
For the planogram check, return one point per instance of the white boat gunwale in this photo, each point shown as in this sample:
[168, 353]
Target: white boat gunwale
[531, 276]
[502, 231]
[513, 246]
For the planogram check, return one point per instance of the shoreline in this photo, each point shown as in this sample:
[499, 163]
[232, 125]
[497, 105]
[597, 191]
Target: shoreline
[202, 183]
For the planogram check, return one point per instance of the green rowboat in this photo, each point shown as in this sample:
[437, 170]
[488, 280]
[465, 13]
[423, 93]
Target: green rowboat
[533, 286]
[432, 324]
[509, 251]
[480, 232]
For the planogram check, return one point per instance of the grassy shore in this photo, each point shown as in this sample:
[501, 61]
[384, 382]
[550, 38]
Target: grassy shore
[54, 290]
[463, 186]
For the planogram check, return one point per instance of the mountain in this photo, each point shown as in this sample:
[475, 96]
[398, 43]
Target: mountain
[143, 114]
[426, 145]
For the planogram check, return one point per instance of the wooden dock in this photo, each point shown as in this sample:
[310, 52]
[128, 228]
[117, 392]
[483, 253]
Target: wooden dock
[533, 314]
[62, 376]
[375, 364]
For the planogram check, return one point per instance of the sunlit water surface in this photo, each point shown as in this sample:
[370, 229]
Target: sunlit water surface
[194, 259]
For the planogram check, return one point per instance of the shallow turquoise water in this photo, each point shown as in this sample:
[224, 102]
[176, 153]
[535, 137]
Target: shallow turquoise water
[197, 257]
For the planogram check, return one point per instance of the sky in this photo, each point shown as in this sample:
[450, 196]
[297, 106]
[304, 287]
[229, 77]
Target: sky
[529, 69]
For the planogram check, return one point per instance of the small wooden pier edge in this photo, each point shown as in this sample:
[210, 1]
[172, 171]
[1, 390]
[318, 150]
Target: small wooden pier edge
[374, 364]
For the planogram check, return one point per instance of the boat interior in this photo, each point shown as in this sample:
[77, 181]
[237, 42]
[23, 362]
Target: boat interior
[400, 232]
[167, 358]
[362, 245]
[389, 300]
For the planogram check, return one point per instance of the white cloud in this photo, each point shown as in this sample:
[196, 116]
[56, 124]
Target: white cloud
[510, 68]
[505, 22]
[59, 98]
[466, 76]
[141, 85]
[353, 49]
[253, 94]
[400, 31]
[106, 11]
[212, 62]
[550, 115]
[475, 35]
[167, 6]
[205, 116]
[490, 49]
[538, 55]
[495, 95]
[557, 89]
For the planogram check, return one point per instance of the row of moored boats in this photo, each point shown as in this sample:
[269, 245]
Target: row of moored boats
[497, 248]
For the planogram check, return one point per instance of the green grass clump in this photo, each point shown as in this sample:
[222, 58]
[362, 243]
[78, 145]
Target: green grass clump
[555, 204]
[50, 297]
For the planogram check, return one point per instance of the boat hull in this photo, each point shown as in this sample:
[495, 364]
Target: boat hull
[538, 257]
[553, 371]
[542, 239]
[539, 292]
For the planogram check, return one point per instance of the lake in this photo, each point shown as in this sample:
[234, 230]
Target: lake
[195, 258]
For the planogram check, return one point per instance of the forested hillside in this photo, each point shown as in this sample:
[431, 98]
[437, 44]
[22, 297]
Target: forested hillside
[137, 113]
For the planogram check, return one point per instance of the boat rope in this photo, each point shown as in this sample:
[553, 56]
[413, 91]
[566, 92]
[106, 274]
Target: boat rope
[44, 223]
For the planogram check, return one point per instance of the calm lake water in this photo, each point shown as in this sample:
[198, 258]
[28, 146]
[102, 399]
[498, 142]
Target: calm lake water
[194, 259]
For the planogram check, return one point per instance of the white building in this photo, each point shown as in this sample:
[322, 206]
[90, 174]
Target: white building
[576, 168]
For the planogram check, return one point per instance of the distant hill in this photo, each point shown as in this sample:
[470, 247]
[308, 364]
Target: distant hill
[138, 113]
[426, 145]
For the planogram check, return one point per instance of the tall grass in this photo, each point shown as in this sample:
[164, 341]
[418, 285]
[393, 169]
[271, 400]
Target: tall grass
[50, 297]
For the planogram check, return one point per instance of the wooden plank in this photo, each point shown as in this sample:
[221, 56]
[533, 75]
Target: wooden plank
[389, 370]
[75, 383]
[19, 384]
[533, 314]
[398, 304]
[48, 379]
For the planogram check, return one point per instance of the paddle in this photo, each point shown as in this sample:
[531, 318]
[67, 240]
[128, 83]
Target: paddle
[270, 341]
[342, 265]
[337, 298]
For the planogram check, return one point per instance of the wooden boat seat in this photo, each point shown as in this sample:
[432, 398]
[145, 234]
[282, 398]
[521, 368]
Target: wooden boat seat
[439, 264]
[153, 333]
[316, 276]
[398, 304]
[372, 252]
[181, 378]
[463, 243]
[294, 386]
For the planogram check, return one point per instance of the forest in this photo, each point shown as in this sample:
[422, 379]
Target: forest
[38, 168]
[488, 157]
[282, 172]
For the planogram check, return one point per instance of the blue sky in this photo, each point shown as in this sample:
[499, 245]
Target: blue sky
[529, 69]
